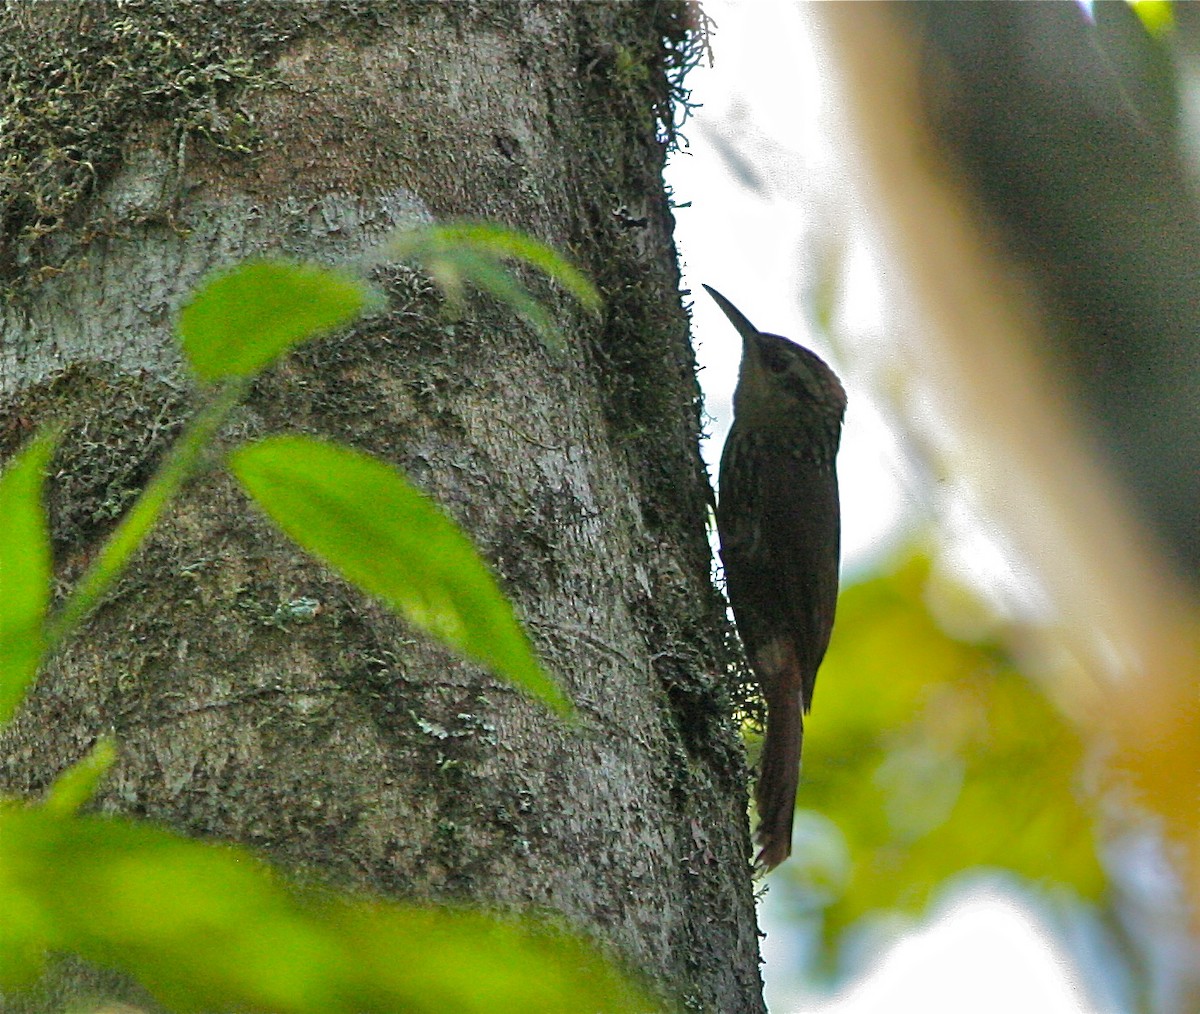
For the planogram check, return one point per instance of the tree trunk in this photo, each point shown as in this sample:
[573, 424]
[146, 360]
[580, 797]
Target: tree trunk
[255, 697]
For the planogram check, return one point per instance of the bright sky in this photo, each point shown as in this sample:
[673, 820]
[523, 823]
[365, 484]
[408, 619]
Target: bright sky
[763, 106]
[983, 953]
[765, 122]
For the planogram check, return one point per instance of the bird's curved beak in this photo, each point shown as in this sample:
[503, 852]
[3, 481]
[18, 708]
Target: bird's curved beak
[736, 317]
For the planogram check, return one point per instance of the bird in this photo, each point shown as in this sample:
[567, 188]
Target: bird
[779, 526]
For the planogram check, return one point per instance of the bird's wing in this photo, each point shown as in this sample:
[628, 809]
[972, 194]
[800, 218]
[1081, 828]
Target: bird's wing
[780, 545]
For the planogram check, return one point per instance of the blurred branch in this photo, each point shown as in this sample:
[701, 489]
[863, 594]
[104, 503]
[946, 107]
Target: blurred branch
[1034, 200]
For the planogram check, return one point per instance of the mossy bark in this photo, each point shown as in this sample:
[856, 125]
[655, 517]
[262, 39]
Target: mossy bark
[254, 696]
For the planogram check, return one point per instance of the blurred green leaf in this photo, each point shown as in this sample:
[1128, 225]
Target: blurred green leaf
[242, 319]
[209, 927]
[933, 755]
[474, 253]
[365, 519]
[76, 786]
[1156, 15]
[24, 571]
[1136, 41]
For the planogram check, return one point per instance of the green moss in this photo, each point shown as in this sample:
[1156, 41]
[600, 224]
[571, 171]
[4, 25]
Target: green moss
[636, 85]
[652, 399]
[646, 69]
[77, 74]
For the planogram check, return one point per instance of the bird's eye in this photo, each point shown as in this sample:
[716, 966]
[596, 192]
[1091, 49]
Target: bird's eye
[777, 364]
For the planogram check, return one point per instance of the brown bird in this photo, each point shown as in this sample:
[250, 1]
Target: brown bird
[779, 522]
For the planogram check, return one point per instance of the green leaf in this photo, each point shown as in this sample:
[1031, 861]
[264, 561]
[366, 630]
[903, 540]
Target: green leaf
[77, 785]
[501, 242]
[241, 320]
[209, 927]
[365, 519]
[24, 571]
[462, 253]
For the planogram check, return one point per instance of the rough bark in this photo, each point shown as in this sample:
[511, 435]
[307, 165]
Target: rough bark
[343, 744]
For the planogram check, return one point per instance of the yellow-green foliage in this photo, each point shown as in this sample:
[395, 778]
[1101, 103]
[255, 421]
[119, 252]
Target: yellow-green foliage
[927, 756]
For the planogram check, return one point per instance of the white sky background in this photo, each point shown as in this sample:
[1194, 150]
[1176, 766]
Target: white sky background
[762, 174]
[762, 180]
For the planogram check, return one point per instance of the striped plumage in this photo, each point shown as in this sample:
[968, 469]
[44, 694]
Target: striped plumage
[779, 523]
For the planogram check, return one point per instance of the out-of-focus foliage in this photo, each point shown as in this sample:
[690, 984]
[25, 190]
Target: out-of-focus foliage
[24, 572]
[462, 253]
[242, 319]
[1069, 133]
[1156, 15]
[926, 756]
[211, 927]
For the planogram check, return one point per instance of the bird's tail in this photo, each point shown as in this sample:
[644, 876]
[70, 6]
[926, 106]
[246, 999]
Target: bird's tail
[775, 794]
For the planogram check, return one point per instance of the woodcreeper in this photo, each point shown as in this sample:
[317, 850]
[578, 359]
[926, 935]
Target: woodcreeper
[779, 523]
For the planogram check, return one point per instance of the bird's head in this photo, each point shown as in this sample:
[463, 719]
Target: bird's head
[781, 383]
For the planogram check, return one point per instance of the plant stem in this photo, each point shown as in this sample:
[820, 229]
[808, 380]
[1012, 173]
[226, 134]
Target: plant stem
[179, 466]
